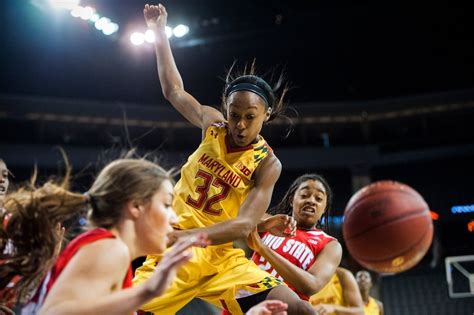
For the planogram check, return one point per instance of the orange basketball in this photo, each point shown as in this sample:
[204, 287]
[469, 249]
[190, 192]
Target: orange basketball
[387, 227]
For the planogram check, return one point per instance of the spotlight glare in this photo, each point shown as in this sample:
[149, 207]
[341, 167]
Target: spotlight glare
[64, 4]
[87, 13]
[101, 23]
[137, 38]
[94, 18]
[77, 11]
[149, 36]
[180, 30]
[168, 31]
[110, 28]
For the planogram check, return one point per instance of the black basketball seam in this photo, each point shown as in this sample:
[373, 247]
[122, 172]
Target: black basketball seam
[399, 254]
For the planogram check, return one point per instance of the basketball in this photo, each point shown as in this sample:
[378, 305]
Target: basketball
[387, 227]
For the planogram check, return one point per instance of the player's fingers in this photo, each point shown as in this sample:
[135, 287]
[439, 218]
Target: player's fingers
[277, 307]
[275, 303]
[175, 261]
[163, 9]
[187, 242]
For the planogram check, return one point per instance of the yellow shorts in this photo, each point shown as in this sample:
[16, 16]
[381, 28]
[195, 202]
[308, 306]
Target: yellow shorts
[217, 274]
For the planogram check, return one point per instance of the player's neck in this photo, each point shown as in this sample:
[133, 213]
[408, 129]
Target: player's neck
[365, 296]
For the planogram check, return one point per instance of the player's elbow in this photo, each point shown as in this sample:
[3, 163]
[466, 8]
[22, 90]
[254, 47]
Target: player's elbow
[312, 287]
[171, 92]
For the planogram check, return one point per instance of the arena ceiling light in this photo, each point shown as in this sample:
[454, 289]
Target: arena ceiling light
[64, 4]
[86, 13]
[168, 31]
[180, 30]
[149, 36]
[137, 38]
[103, 24]
[110, 28]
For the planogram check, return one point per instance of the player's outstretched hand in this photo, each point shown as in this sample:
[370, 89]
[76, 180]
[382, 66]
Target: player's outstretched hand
[269, 307]
[279, 225]
[322, 309]
[166, 270]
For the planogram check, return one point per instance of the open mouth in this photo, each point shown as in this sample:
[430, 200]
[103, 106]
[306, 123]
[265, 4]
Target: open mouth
[239, 139]
[3, 189]
[308, 210]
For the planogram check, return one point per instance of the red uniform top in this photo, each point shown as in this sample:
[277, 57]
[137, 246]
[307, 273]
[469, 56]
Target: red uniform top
[71, 249]
[301, 250]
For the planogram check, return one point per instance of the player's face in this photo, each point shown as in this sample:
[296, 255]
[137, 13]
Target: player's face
[155, 223]
[309, 203]
[246, 114]
[364, 281]
[3, 180]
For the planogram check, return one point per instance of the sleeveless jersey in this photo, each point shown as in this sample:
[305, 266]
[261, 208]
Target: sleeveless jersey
[71, 249]
[301, 250]
[216, 179]
[372, 308]
[331, 293]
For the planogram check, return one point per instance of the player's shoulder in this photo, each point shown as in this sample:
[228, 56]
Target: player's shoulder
[106, 250]
[269, 167]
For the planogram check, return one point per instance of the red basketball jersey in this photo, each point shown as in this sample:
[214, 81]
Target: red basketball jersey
[301, 250]
[71, 249]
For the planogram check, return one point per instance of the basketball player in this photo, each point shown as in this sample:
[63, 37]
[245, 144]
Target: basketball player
[307, 261]
[130, 204]
[7, 296]
[224, 190]
[4, 181]
[339, 296]
[371, 305]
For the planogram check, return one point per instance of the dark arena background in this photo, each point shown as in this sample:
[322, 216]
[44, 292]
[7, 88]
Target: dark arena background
[380, 90]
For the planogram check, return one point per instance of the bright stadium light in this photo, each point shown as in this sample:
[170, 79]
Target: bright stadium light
[137, 38]
[95, 17]
[149, 36]
[87, 13]
[180, 30]
[100, 24]
[77, 11]
[110, 28]
[64, 4]
[168, 31]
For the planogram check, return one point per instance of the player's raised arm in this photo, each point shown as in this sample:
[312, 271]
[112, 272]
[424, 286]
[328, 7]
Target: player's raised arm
[170, 79]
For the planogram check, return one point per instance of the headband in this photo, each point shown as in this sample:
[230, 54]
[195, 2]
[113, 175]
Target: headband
[246, 86]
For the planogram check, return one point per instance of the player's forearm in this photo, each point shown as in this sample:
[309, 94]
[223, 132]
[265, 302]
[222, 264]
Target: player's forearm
[170, 79]
[219, 233]
[122, 302]
[300, 279]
